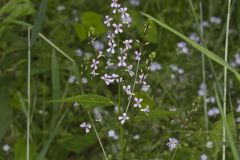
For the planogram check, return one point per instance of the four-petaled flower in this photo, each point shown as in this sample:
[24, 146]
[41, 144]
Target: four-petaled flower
[87, 126]
[138, 55]
[123, 12]
[108, 79]
[127, 89]
[122, 61]
[123, 118]
[94, 64]
[128, 44]
[118, 28]
[112, 48]
[129, 70]
[146, 110]
[108, 20]
[172, 144]
[138, 102]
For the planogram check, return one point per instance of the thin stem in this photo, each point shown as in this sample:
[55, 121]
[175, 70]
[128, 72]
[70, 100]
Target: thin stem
[99, 140]
[225, 81]
[203, 69]
[29, 95]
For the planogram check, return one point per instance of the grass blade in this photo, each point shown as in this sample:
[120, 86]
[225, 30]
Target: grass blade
[205, 51]
[39, 20]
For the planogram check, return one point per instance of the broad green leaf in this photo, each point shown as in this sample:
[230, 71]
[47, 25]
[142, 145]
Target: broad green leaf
[92, 19]
[78, 143]
[39, 20]
[155, 114]
[81, 31]
[20, 150]
[88, 100]
[203, 50]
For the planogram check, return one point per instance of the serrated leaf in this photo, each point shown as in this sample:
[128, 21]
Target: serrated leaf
[88, 100]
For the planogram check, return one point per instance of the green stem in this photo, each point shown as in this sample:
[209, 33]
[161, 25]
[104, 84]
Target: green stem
[99, 140]
[225, 81]
[29, 95]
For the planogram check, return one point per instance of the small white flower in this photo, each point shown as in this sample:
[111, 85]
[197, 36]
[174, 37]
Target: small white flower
[100, 54]
[204, 24]
[213, 112]
[108, 80]
[129, 70]
[86, 126]
[136, 137]
[79, 52]
[127, 20]
[138, 56]
[123, 12]
[61, 8]
[112, 48]
[138, 102]
[238, 119]
[84, 80]
[172, 144]
[6, 147]
[128, 44]
[238, 108]
[145, 110]
[94, 73]
[118, 28]
[209, 144]
[112, 134]
[127, 89]
[122, 62]
[94, 64]
[123, 118]
[204, 157]
[108, 20]
[75, 104]
[202, 89]
[71, 79]
[114, 4]
[109, 64]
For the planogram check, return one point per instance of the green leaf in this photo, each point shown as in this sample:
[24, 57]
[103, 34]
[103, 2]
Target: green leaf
[78, 143]
[92, 19]
[155, 114]
[20, 150]
[203, 50]
[81, 31]
[88, 100]
[5, 109]
[39, 20]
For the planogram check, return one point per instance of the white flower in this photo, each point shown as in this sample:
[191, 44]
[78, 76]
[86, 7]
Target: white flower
[145, 86]
[129, 70]
[71, 79]
[111, 39]
[118, 28]
[136, 137]
[145, 110]
[112, 48]
[108, 79]
[182, 46]
[86, 126]
[238, 108]
[209, 144]
[100, 54]
[154, 66]
[112, 134]
[172, 144]
[215, 20]
[122, 61]
[127, 89]
[213, 112]
[6, 147]
[238, 119]
[109, 64]
[204, 157]
[84, 80]
[75, 104]
[79, 52]
[126, 20]
[128, 44]
[123, 12]
[202, 89]
[194, 37]
[94, 64]
[114, 4]
[123, 118]
[138, 102]
[108, 20]
[61, 8]
[138, 56]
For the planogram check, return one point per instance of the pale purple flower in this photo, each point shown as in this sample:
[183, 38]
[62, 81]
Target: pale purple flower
[135, 2]
[129, 70]
[112, 48]
[194, 37]
[204, 24]
[127, 20]
[213, 112]
[112, 134]
[100, 54]
[109, 64]
[145, 86]
[114, 4]
[215, 20]
[98, 45]
[127, 89]
[111, 39]
[202, 89]
[128, 44]
[123, 118]
[138, 102]
[94, 64]
[155, 66]
[204, 157]
[145, 110]
[86, 126]
[122, 62]
[118, 28]
[138, 55]
[108, 79]
[108, 20]
[123, 12]
[172, 144]
[71, 79]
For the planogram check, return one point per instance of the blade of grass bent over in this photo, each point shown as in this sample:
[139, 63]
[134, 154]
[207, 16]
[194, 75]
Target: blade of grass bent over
[205, 51]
